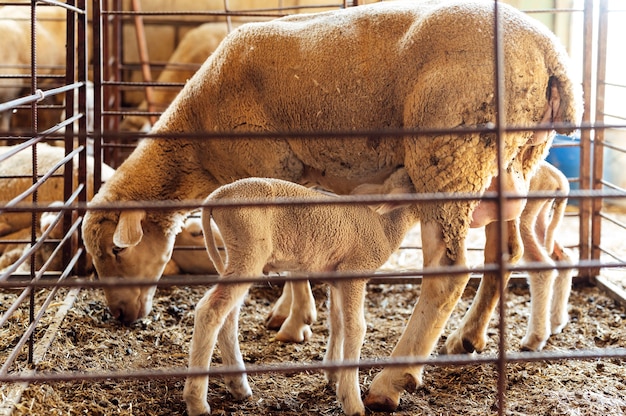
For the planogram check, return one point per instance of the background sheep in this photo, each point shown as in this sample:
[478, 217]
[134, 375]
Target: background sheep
[15, 32]
[192, 51]
[10, 253]
[51, 190]
[386, 65]
[295, 238]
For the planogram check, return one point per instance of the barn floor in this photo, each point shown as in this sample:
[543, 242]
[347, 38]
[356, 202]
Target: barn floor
[89, 339]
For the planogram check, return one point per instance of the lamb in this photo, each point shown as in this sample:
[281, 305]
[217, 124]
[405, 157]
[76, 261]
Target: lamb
[549, 289]
[294, 238]
[15, 29]
[538, 222]
[369, 70]
[193, 49]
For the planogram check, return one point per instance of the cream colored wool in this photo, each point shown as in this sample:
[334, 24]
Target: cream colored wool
[292, 238]
[15, 32]
[386, 65]
[51, 190]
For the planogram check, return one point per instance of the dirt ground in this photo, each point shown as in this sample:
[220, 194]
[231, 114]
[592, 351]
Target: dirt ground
[89, 339]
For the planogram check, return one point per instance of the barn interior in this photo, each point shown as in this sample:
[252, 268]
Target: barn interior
[89, 78]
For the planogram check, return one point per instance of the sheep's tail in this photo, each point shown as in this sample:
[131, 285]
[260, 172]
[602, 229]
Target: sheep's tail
[209, 241]
[569, 112]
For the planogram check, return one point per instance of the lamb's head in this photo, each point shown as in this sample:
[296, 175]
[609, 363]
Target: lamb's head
[127, 245]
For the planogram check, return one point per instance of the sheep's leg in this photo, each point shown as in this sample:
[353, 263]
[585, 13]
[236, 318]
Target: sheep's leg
[541, 282]
[562, 287]
[439, 296]
[227, 340]
[211, 313]
[302, 313]
[281, 309]
[350, 298]
[538, 331]
[334, 347]
[471, 335]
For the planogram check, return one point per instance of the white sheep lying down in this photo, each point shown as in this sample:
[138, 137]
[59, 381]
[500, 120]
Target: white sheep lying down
[295, 238]
[389, 65]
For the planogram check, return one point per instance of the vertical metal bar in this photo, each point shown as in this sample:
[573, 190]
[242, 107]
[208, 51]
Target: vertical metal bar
[598, 148]
[500, 100]
[98, 68]
[70, 68]
[33, 237]
[142, 47]
[82, 59]
[586, 213]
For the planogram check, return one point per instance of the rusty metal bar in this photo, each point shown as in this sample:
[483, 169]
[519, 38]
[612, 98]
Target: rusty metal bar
[586, 208]
[598, 148]
[142, 46]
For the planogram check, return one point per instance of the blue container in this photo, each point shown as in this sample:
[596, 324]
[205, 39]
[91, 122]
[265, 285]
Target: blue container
[565, 156]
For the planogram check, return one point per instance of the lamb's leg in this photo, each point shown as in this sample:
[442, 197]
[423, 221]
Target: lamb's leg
[439, 296]
[302, 313]
[471, 335]
[538, 329]
[562, 287]
[211, 313]
[227, 340]
[540, 282]
[351, 298]
[334, 346]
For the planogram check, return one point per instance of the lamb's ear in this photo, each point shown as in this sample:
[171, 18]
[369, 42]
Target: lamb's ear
[129, 232]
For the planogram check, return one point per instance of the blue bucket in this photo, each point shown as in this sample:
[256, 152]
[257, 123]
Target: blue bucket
[565, 156]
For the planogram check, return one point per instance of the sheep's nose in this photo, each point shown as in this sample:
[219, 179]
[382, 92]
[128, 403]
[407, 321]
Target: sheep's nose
[123, 316]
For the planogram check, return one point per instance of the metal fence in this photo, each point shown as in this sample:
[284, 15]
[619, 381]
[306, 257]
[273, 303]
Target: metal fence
[97, 37]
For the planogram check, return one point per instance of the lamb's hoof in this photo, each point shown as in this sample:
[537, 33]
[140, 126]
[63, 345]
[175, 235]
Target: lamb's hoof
[558, 325]
[298, 336]
[274, 321]
[381, 403]
[533, 343]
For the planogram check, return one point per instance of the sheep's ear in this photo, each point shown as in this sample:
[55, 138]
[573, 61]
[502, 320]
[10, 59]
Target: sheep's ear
[129, 232]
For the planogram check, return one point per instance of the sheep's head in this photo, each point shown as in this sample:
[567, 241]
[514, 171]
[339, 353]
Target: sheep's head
[125, 247]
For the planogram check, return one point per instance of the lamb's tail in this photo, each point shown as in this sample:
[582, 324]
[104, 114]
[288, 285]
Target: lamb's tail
[210, 242]
[558, 213]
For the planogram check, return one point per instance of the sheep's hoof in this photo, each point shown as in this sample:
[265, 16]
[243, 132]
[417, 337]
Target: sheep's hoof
[454, 345]
[298, 336]
[533, 343]
[381, 403]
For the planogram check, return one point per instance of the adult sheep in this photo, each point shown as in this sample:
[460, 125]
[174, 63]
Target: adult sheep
[388, 65]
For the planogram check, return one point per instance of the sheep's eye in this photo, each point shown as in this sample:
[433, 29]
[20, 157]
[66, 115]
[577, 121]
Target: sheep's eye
[117, 250]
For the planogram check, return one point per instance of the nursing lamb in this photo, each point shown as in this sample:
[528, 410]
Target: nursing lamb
[369, 70]
[295, 238]
[549, 289]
